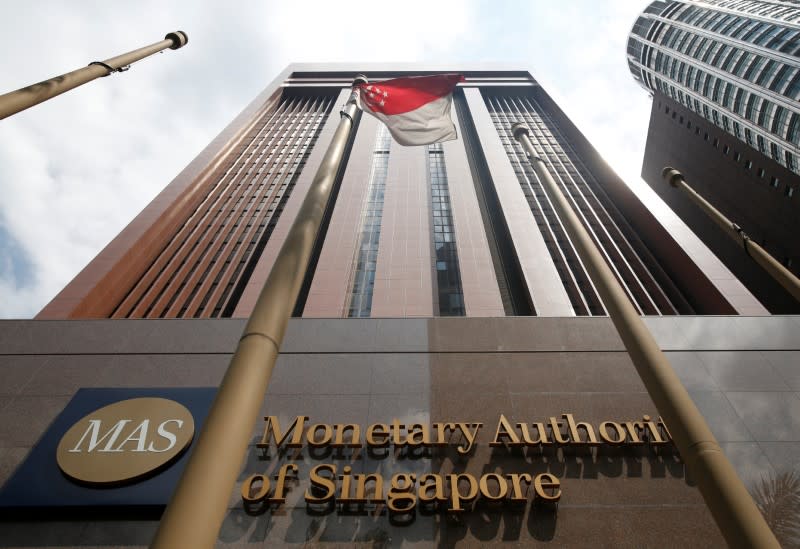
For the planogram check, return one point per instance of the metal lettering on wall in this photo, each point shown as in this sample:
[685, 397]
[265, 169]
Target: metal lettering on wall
[452, 493]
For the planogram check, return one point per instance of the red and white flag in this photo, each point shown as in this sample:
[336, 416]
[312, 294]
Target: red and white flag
[415, 109]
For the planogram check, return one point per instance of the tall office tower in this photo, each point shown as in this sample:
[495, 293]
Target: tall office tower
[444, 308]
[455, 229]
[734, 63]
[725, 80]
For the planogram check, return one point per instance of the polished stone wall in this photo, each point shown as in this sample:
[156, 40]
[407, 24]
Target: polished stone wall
[743, 373]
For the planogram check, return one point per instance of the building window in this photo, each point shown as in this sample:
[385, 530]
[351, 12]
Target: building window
[370, 231]
[448, 274]
[774, 182]
[791, 161]
[762, 144]
[776, 155]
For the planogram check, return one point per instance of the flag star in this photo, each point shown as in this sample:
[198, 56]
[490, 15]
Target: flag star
[386, 94]
[369, 88]
[382, 103]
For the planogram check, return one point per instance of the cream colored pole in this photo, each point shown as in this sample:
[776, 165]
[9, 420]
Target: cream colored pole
[781, 274]
[16, 101]
[195, 513]
[733, 508]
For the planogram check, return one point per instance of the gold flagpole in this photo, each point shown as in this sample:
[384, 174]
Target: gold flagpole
[730, 503]
[781, 274]
[197, 508]
[23, 98]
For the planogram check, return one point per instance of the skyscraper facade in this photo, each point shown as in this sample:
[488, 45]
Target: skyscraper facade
[444, 304]
[725, 81]
[455, 229]
[735, 63]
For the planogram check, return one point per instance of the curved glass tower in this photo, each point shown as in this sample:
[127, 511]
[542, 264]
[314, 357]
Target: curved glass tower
[736, 63]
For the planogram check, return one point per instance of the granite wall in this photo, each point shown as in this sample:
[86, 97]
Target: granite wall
[743, 373]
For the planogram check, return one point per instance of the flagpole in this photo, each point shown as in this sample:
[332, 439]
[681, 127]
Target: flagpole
[197, 508]
[732, 507]
[23, 98]
[781, 274]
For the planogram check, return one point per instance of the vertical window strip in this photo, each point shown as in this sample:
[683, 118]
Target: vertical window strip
[366, 260]
[448, 275]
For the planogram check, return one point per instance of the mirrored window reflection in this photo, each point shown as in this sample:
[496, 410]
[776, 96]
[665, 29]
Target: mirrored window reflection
[370, 231]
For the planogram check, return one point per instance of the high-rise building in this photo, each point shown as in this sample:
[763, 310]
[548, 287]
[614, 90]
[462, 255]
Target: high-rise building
[443, 299]
[461, 228]
[733, 62]
[725, 80]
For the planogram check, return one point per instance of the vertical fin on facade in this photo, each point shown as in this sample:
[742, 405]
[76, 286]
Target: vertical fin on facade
[302, 297]
[201, 272]
[589, 201]
[513, 290]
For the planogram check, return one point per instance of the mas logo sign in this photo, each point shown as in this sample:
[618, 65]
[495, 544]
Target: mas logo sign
[113, 450]
[125, 441]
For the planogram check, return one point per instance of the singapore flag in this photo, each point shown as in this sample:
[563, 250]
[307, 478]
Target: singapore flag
[415, 109]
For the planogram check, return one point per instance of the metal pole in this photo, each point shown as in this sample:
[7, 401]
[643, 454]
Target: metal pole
[730, 503]
[777, 271]
[16, 101]
[195, 513]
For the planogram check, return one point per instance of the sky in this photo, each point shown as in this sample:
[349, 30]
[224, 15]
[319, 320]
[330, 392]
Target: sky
[76, 169]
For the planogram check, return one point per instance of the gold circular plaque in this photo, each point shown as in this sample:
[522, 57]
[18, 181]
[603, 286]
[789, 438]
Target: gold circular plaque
[125, 440]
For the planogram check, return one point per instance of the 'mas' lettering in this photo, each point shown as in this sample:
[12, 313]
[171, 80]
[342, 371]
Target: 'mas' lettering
[136, 441]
